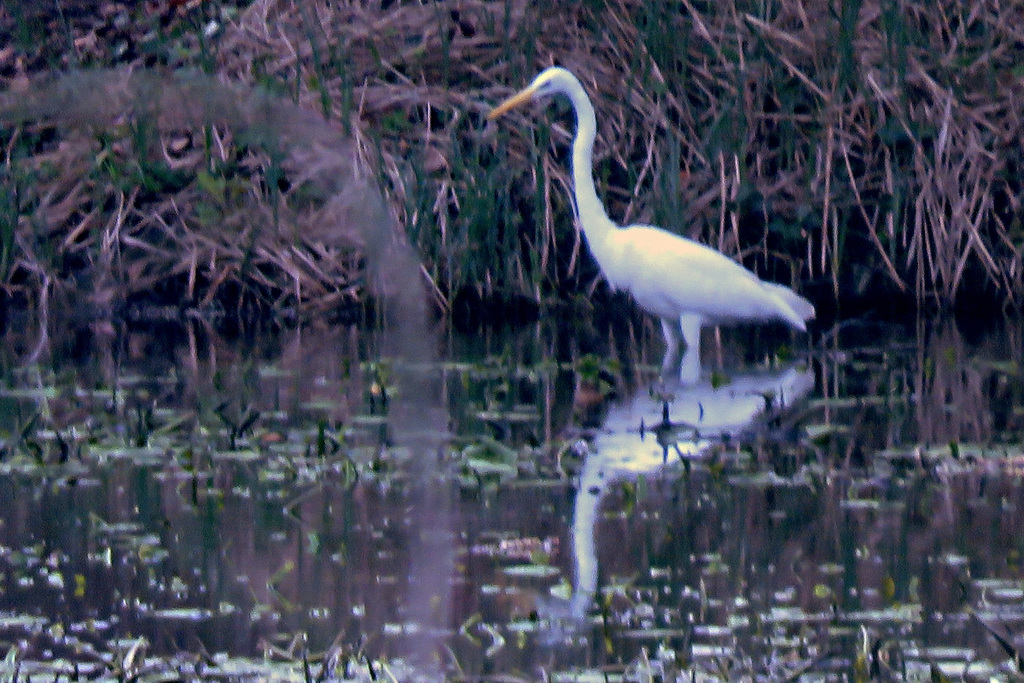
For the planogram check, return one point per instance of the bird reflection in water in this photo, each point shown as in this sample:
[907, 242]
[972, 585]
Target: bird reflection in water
[687, 285]
[699, 416]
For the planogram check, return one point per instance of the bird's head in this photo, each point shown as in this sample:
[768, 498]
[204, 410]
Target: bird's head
[550, 81]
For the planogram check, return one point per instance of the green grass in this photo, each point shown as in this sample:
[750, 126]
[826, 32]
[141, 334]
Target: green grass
[832, 144]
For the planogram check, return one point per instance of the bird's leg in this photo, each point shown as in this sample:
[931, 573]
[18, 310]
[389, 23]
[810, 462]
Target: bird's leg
[673, 339]
[689, 366]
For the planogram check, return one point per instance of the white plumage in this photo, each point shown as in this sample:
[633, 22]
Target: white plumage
[683, 282]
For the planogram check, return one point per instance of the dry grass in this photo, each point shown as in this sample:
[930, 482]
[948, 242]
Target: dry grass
[876, 150]
[137, 205]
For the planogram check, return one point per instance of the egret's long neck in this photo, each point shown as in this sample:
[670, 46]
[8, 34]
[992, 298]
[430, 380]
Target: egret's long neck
[587, 201]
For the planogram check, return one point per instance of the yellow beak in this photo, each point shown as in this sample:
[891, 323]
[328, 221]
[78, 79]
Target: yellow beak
[519, 98]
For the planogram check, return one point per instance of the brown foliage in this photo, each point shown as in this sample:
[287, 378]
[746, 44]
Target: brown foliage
[881, 145]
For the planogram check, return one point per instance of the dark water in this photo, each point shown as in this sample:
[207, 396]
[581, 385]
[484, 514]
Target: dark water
[862, 497]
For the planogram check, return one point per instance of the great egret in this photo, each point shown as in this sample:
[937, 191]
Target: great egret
[683, 282]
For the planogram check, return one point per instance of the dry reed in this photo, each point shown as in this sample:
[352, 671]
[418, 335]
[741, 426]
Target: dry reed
[858, 147]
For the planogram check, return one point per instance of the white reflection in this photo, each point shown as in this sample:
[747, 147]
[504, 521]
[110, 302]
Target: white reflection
[637, 438]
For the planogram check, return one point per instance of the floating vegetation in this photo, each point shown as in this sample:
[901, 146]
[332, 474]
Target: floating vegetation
[256, 517]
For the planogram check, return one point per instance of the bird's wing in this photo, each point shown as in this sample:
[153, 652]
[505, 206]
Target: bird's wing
[672, 274]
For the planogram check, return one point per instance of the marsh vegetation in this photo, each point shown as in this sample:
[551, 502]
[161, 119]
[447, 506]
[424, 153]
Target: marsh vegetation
[860, 149]
[252, 425]
[190, 506]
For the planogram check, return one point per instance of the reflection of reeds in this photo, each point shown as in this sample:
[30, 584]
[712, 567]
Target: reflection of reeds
[247, 226]
[873, 142]
[955, 397]
[919, 395]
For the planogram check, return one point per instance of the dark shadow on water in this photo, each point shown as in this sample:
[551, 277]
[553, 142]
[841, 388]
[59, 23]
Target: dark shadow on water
[789, 510]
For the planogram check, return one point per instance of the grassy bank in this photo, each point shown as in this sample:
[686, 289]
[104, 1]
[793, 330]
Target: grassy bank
[850, 148]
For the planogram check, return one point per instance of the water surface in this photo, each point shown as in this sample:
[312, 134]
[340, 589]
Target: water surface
[806, 507]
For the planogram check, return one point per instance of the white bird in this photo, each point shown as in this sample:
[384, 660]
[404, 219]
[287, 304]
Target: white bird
[683, 282]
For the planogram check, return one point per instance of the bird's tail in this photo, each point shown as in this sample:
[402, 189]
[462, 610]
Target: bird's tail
[803, 308]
